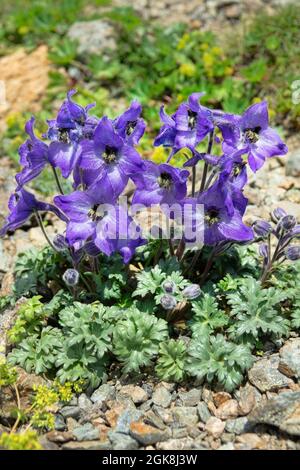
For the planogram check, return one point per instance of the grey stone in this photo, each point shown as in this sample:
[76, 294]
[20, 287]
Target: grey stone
[282, 411]
[147, 435]
[93, 37]
[122, 441]
[191, 398]
[290, 358]
[87, 445]
[162, 397]
[59, 422]
[238, 425]
[70, 411]
[185, 415]
[185, 443]
[165, 414]
[266, 376]
[84, 402]
[86, 432]
[228, 446]
[154, 420]
[125, 419]
[293, 164]
[103, 393]
[137, 394]
[203, 412]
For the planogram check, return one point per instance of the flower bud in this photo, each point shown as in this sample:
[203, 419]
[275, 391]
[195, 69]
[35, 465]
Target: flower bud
[168, 301]
[60, 242]
[263, 250]
[262, 228]
[287, 222]
[71, 277]
[191, 292]
[169, 287]
[277, 214]
[292, 252]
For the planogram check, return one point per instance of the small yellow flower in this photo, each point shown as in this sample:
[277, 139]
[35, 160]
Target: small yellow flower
[23, 30]
[188, 70]
[216, 51]
[183, 41]
[208, 60]
[228, 71]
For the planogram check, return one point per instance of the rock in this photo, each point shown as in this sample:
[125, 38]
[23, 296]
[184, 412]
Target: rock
[203, 412]
[154, 420]
[292, 167]
[7, 319]
[125, 419]
[266, 377]
[220, 397]
[227, 410]
[47, 445]
[228, 446]
[86, 432]
[104, 393]
[84, 402]
[191, 398]
[247, 399]
[146, 434]
[71, 424]
[26, 81]
[251, 441]
[179, 433]
[179, 444]
[282, 411]
[70, 411]
[162, 397]
[93, 37]
[88, 445]
[238, 425]
[185, 415]
[121, 441]
[136, 393]
[165, 415]
[215, 426]
[290, 358]
[59, 437]
[59, 423]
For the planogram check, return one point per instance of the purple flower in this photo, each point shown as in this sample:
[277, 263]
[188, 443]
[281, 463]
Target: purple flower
[129, 125]
[277, 214]
[287, 222]
[71, 277]
[167, 133]
[117, 232]
[33, 156]
[252, 134]
[292, 252]
[81, 210]
[66, 131]
[22, 205]
[159, 184]
[108, 160]
[262, 228]
[234, 167]
[222, 218]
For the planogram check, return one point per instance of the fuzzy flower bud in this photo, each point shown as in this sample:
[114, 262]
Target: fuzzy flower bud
[71, 277]
[59, 242]
[277, 214]
[191, 292]
[169, 287]
[263, 250]
[287, 222]
[168, 301]
[292, 252]
[262, 228]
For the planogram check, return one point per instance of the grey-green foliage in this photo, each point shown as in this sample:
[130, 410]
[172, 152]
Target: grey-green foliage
[171, 362]
[38, 353]
[216, 359]
[136, 339]
[150, 283]
[256, 311]
[207, 316]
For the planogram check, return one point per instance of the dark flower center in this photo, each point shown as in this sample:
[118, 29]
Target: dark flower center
[237, 168]
[192, 119]
[92, 213]
[130, 126]
[165, 181]
[29, 146]
[212, 216]
[110, 155]
[252, 135]
[63, 135]
[80, 120]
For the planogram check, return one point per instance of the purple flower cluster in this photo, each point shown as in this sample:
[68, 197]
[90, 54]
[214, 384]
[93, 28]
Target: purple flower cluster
[100, 156]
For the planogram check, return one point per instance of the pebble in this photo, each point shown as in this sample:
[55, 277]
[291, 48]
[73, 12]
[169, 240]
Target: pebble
[104, 393]
[125, 419]
[87, 445]
[238, 425]
[220, 397]
[247, 399]
[84, 402]
[251, 441]
[190, 398]
[203, 412]
[266, 376]
[59, 436]
[122, 441]
[293, 163]
[215, 426]
[290, 358]
[87, 432]
[162, 397]
[59, 422]
[136, 393]
[147, 435]
[185, 415]
[227, 410]
[70, 411]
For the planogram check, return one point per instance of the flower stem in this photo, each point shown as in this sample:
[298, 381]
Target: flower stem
[40, 222]
[207, 267]
[205, 169]
[57, 180]
[193, 180]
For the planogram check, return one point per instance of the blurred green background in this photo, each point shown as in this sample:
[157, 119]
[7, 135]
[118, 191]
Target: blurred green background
[237, 64]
